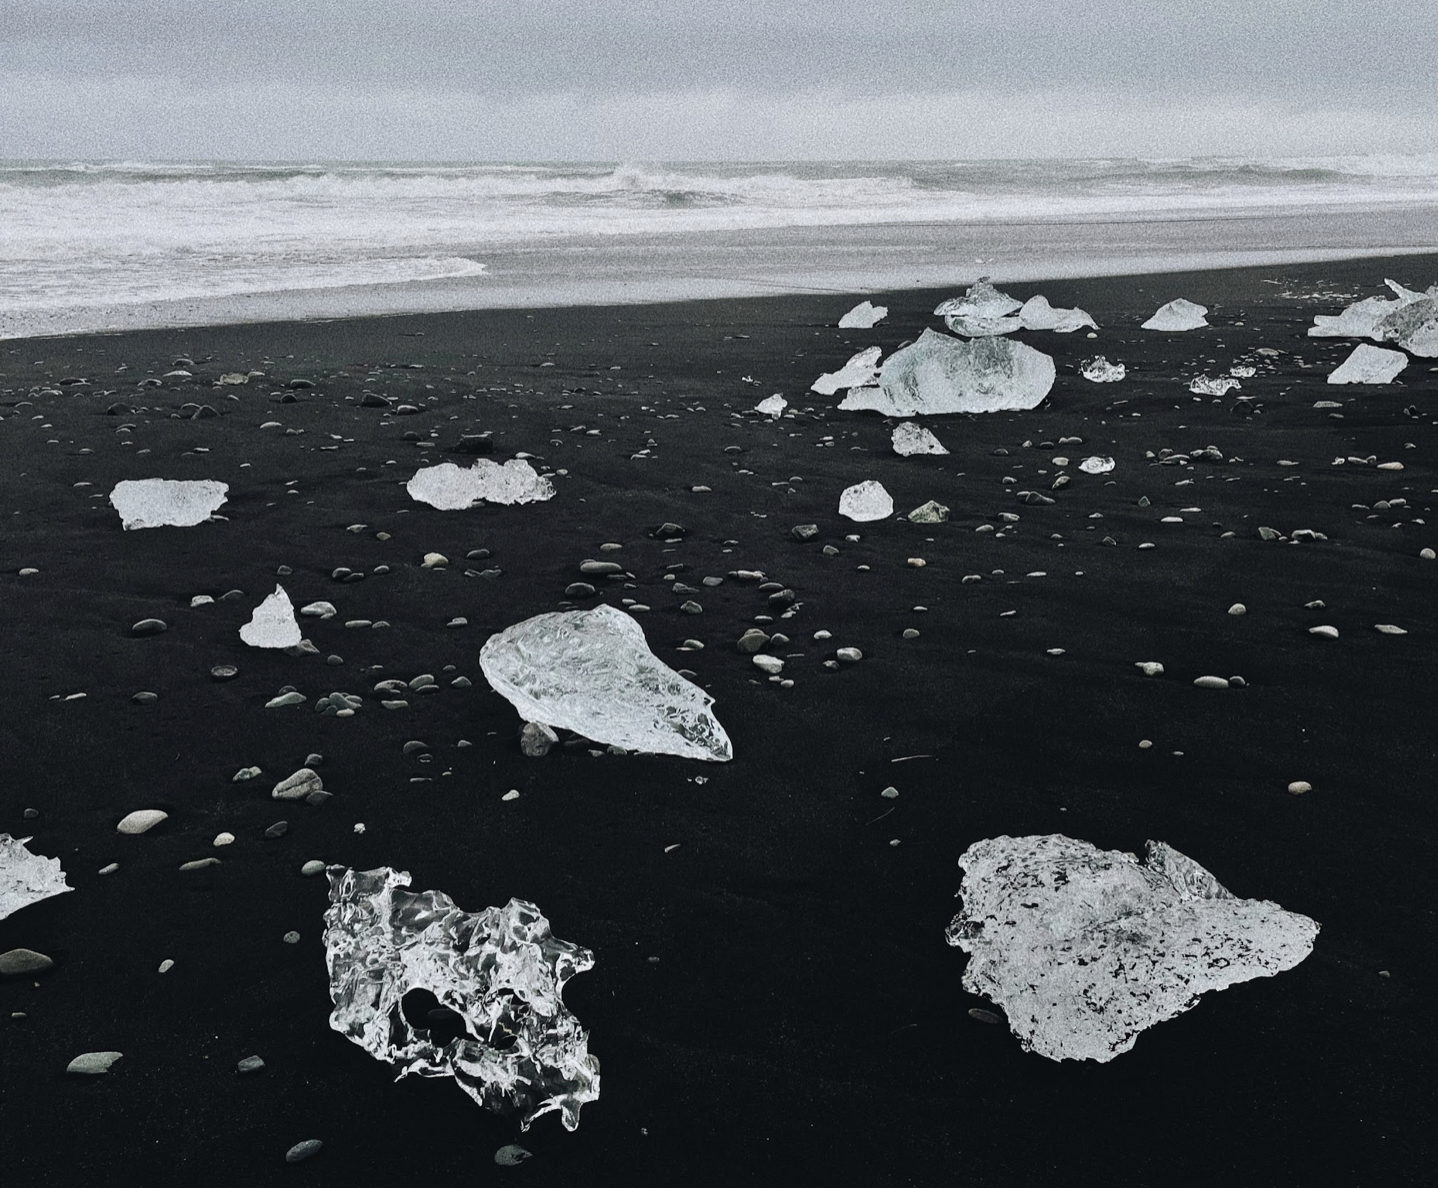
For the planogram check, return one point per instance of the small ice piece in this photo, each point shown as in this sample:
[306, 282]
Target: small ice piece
[521, 1051]
[940, 374]
[772, 406]
[1096, 465]
[1205, 386]
[273, 623]
[1178, 315]
[1369, 365]
[1085, 948]
[1038, 314]
[860, 369]
[160, 503]
[1413, 326]
[26, 878]
[912, 438]
[454, 488]
[980, 312]
[866, 501]
[592, 672]
[863, 316]
[1100, 371]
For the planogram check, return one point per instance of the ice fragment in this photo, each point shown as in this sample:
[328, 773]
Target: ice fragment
[158, 503]
[1362, 318]
[860, 369]
[940, 374]
[1038, 314]
[1178, 315]
[1413, 326]
[772, 406]
[1096, 465]
[912, 438]
[454, 488]
[863, 316]
[26, 878]
[866, 501]
[1100, 371]
[273, 623]
[1205, 385]
[980, 312]
[1369, 365]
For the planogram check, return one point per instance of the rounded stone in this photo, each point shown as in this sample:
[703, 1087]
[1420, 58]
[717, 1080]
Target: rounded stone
[223, 839]
[769, 664]
[141, 820]
[849, 655]
[93, 1064]
[302, 1151]
[224, 672]
[149, 627]
[313, 867]
[511, 1155]
[145, 698]
[19, 962]
[1299, 787]
[250, 1064]
[1324, 632]
[1211, 682]
[1238, 609]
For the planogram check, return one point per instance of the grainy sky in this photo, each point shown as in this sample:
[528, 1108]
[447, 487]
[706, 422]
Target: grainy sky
[717, 79]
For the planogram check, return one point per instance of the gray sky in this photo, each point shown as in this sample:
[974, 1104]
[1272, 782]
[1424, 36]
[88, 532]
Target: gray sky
[680, 79]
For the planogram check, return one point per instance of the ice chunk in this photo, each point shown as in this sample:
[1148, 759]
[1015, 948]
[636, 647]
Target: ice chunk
[866, 501]
[1085, 948]
[454, 488]
[1097, 464]
[1369, 365]
[863, 316]
[1413, 326]
[1361, 319]
[980, 312]
[501, 970]
[592, 672]
[1178, 315]
[860, 369]
[159, 503]
[912, 438]
[939, 374]
[26, 878]
[273, 623]
[1038, 314]
[1205, 386]
[772, 406]
[1100, 371]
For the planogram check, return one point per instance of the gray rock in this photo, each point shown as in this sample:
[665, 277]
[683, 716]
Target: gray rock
[93, 1064]
[804, 531]
[769, 664]
[535, 739]
[752, 641]
[199, 864]
[145, 698]
[284, 700]
[310, 1147]
[141, 820]
[1211, 682]
[849, 655]
[511, 1155]
[18, 962]
[579, 590]
[600, 568]
[313, 867]
[691, 608]
[224, 672]
[149, 627]
[298, 786]
[250, 1064]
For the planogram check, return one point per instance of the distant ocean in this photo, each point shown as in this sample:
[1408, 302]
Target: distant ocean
[93, 245]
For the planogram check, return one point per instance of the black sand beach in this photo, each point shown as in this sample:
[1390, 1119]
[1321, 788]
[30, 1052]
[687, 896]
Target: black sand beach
[772, 1001]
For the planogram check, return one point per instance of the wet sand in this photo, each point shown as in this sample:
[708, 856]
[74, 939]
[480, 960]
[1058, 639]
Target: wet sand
[773, 999]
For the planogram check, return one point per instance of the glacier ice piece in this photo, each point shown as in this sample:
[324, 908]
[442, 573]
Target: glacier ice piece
[592, 672]
[273, 623]
[864, 316]
[866, 501]
[454, 488]
[1097, 464]
[1178, 314]
[1369, 365]
[1085, 948]
[1361, 319]
[772, 406]
[26, 878]
[940, 374]
[501, 970]
[860, 369]
[912, 438]
[1204, 385]
[1099, 370]
[1413, 326]
[981, 312]
[160, 503]
[1038, 314]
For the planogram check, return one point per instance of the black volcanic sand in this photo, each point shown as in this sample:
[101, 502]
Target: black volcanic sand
[774, 998]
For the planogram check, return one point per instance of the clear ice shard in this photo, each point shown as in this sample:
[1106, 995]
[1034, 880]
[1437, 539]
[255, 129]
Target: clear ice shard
[1178, 315]
[981, 312]
[161, 503]
[273, 623]
[1085, 948]
[1369, 365]
[772, 406]
[866, 501]
[1099, 370]
[26, 878]
[1097, 464]
[454, 488]
[1204, 385]
[1038, 314]
[503, 972]
[863, 316]
[859, 370]
[592, 672]
[1362, 318]
[1413, 326]
[940, 374]
[912, 438]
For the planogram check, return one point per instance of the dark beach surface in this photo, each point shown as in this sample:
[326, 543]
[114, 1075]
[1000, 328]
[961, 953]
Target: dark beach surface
[773, 1000]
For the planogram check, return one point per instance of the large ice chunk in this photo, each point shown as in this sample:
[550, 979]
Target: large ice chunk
[592, 672]
[1361, 319]
[1085, 948]
[860, 369]
[273, 623]
[1178, 315]
[501, 970]
[1369, 365]
[940, 374]
[26, 878]
[866, 501]
[912, 438]
[1413, 326]
[1038, 314]
[454, 488]
[160, 503]
[981, 312]
[863, 316]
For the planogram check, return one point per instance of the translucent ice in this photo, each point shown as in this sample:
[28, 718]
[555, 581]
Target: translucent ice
[1097, 464]
[26, 878]
[1100, 371]
[1361, 319]
[453, 488]
[863, 316]
[981, 312]
[940, 374]
[860, 369]
[1038, 314]
[159, 503]
[592, 672]
[866, 501]
[1369, 365]
[1413, 326]
[912, 438]
[772, 406]
[501, 970]
[273, 623]
[1085, 948]
[1206, 386]
[1178, 315]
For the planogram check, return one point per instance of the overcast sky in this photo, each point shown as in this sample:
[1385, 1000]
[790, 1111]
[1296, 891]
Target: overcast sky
[716, 79]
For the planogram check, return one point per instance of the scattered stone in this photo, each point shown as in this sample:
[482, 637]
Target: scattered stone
[298, 786]
[579, 590]
[144, 697]
[224, 672]
[1238, 609]
[752, 641]
[932, 512]
[141, 821]
[769, 664]
[1299, 787]
[223, 839]
[303, 1151]
[250, 1064]
[1389, 629]
[1211, 682]
[149, 627]
[804, 531]
[1324, 632]
[511, 1155]
[536, 739]
[199, 864]
[93, 1064]
[311, 868]
[284, 700]
[849, 655]
[21, 962]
